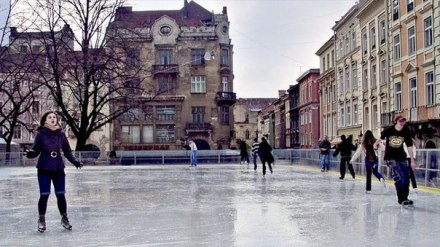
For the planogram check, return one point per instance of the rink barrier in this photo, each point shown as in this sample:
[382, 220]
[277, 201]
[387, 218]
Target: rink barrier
[426, 173]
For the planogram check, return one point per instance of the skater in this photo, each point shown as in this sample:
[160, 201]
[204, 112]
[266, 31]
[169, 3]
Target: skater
[193, 147]
[244, 154]
[324, 158]
[371, 160]
[395, 157]
[345, 148]
[255, 147]
[49, 142]
[412, 177]
[265, 153]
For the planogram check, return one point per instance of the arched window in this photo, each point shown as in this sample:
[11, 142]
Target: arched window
[247, 134]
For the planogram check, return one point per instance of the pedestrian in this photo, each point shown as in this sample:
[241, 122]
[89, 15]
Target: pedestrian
[193, 148]
[255, 147]
[49, 142]
[395, 157]
[371, 159]
[244, 154]
[345, 148]
[324, 158]
[265, 153]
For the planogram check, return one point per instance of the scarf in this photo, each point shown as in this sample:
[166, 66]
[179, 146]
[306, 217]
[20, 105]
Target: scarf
[53, 128]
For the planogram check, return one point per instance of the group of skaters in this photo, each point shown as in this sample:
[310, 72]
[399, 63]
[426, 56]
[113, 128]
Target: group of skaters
[262, 149]
[399, 156]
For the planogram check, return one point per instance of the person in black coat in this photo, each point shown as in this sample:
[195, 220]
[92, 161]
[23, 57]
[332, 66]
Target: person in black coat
[265, 153]
[345, 148]
[49, 143]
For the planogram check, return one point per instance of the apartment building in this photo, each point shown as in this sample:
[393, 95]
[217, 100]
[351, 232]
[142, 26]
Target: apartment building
[328, 97]
[348, 58]
[374, 65]
[246, 112]
[189, 86]
[293, 92]
[309, 113]
[412, 67]
[22, 62]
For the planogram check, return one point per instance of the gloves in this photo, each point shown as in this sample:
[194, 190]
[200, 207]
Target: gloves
[78, 164]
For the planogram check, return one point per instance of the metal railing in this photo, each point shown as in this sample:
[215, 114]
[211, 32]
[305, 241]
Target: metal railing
[426, 173]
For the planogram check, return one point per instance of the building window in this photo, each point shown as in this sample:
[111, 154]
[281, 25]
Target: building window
[413, 92]
[342, 117]
[165, 84]
[398, 87]
[198, 114]
[247, 134]
[409, 5]
[35, 108]
[224, 120]
[364, 43]
[165, 133]
[147, 134]
[396, 47]
[428, 31]
[133, 57]
[411, 40]
[373, 37]
[165, 113]
[225, 84]
[353, 40]
[23, 49]
[355, 114]
[383, 71]
[130, 134]
[374, 117]
[373, 76]
[132, 86]
[17, 132]
[148, 112]
[395, 10]
[165, 56]
[131, 115]
[347, 80]
[430, 93]
[197, 56]
[348, 119]
[365, 80]
[383, 32]
[225, 57]
[198, 84]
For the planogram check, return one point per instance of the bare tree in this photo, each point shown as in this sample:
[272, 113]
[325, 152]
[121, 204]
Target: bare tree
[87, 70]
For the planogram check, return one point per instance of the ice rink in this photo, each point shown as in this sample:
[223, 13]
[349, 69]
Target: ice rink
[215, 205]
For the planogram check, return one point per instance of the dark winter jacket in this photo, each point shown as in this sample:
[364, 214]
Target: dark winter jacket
[49, 144]
[345, 148]
[265, 152]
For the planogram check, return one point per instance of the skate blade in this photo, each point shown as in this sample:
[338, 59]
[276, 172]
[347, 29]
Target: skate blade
[41, 230]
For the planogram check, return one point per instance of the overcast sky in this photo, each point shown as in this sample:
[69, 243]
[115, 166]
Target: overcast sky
[275, 41]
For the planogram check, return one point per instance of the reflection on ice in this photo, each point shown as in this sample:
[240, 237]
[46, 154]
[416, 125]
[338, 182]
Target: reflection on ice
[214, 205]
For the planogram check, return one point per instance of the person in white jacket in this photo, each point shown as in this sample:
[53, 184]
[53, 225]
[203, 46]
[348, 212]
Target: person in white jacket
[371, 160]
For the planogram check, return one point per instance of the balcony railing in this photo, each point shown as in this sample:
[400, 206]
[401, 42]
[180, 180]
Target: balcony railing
[228, 98]
[198, 127]
[165, 69]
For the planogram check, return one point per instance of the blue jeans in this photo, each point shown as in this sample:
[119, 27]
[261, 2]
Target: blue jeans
[324, 161]
[194, 158]
[372, 167]
[400, 174]
[254, 157]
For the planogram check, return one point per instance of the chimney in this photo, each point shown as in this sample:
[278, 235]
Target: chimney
[225, 10]
[281, 93]
[13, 31]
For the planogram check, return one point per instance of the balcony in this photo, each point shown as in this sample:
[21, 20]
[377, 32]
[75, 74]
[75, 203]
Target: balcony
[226, 98]
[198, 127]
[165, 69]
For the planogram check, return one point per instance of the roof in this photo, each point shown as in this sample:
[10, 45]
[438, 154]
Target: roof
[256, 104]
[192, 14]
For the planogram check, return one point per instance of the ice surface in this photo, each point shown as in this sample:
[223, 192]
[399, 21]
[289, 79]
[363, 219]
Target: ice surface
[214, 205]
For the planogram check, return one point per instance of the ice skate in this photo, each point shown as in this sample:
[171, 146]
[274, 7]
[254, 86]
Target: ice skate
[41, 224]
[407, 204]
[383, 182]
[65, 222]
